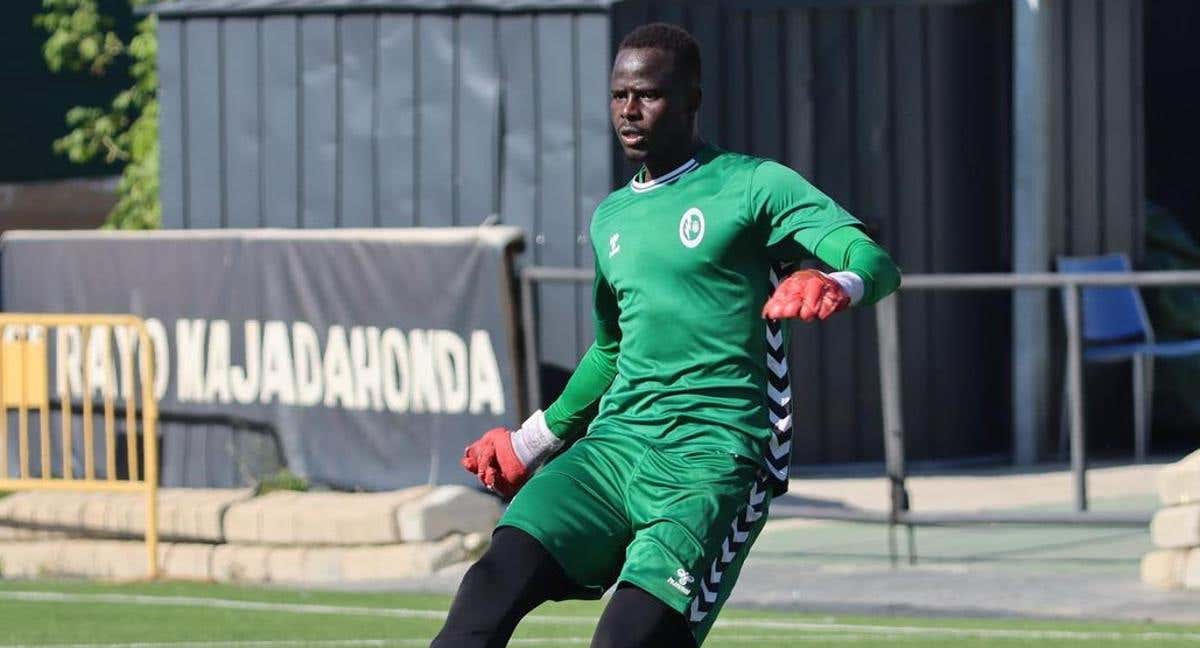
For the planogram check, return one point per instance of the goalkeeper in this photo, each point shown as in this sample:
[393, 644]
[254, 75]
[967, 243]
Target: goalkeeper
[680, 410]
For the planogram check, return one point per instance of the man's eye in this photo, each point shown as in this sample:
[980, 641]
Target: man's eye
[618, 94]
[651, 94]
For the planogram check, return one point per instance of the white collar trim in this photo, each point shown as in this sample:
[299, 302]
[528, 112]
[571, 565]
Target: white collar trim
[649, 185]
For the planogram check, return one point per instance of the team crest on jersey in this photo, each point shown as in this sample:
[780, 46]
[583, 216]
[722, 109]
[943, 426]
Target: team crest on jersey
[691, 227]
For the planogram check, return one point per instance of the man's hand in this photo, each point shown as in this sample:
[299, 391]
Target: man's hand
[494, 462]
[807, 294]
[503, 460]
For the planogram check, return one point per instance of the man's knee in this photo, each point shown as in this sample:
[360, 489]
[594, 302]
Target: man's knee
[515, 575]
[634, 618]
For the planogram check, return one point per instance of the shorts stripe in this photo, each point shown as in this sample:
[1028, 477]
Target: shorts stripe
[779, 397]
[773, 476]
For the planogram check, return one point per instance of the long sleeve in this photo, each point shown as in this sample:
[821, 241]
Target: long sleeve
[802, 222]
[849, 248]
[570, 413]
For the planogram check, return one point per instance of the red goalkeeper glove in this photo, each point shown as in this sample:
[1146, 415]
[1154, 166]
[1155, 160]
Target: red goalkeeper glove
[807, 294]
[503, 460]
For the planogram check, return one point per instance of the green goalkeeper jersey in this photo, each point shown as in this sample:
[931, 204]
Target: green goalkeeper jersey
[683, 267]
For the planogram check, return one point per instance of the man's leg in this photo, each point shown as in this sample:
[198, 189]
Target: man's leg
[715, 502]
[636, 619]
[515, 575]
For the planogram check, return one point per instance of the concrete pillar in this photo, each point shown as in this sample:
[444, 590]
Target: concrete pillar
[1032, 123]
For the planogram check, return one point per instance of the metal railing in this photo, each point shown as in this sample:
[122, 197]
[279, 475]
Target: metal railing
[25, 386]
[529, 276]
[888, 331]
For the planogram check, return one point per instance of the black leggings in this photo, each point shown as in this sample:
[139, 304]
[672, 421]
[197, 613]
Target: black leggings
[517, 574]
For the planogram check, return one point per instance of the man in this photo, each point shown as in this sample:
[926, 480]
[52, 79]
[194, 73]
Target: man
[682, 401]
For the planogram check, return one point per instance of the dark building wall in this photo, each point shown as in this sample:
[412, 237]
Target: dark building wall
[1172, 78]
[1098, 188]
[1097, 155]
[901, 111]
[901, 114]
[394, 119]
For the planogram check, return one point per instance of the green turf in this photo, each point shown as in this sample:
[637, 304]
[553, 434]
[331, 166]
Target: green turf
[369, 619]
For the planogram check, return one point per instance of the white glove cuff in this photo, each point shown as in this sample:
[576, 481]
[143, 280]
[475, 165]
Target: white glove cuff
[534, 441]
[851, 283]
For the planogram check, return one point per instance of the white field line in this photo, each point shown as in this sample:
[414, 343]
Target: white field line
[295, 643]
[385, 643]
[405, 613]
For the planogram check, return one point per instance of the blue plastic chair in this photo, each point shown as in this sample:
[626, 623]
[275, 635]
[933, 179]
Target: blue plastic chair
[1116, 328]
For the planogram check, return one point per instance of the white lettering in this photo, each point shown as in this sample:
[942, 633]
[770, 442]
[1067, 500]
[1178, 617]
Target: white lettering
[69, 361]
[307, 350]
[99, 366]
[216, 374]
[486, 386]
[424, 381]
[364, 354]
[395, 370]
[244, 382]
[339, 379]
[161, 369]
[189, 340]
[277, 373]
[127, 343]
[450, 357]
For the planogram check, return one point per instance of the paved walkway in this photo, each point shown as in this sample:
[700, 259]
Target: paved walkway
[997, 570]
[994, 570]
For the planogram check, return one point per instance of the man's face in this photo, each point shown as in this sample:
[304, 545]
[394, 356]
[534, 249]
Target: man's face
[652, 108]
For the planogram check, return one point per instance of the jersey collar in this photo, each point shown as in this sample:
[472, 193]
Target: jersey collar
[639, 186]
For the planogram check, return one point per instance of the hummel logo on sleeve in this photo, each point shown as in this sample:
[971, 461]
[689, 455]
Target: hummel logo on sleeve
[614, 245]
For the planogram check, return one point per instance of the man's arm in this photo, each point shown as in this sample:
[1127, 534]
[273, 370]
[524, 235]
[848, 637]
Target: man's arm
[504, 460]
[568, 416]
[849, 250]
[801, 222]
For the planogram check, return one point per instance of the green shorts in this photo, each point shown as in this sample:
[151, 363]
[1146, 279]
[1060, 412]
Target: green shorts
[676, 524]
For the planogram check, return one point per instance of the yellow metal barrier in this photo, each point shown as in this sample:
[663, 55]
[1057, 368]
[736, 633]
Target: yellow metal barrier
[25, 386]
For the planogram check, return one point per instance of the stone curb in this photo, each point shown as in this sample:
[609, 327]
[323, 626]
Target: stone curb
[126, 560]
[446, 510]
[1177, 527]
[1179, 483]
[185, 513]
[419, 514]
[1165, 568]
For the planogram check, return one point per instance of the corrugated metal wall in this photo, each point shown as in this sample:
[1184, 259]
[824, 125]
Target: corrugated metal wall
[901, 114]
[1098, 152]
[390, 120]
[1098, 169]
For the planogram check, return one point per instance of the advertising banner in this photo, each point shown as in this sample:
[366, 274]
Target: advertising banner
[375, 355]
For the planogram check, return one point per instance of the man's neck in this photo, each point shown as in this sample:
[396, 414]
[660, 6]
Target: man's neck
[660, 166]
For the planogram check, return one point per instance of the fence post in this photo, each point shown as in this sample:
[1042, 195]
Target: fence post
[533, 378]
[147, 371]
[887, 324]
[1075, 389]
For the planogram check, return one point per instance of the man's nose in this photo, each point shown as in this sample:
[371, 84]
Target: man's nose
[630, 108]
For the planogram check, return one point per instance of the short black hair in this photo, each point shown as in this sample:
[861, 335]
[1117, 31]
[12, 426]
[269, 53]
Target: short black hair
[669, 38]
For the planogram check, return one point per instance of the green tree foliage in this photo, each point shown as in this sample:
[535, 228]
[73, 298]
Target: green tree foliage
[82, 39]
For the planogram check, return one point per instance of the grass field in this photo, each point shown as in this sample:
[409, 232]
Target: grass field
[193, 615]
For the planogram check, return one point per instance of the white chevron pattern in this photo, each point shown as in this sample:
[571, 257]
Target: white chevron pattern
[779, 408]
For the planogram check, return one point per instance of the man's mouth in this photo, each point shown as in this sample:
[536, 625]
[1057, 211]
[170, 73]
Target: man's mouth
[632, 137]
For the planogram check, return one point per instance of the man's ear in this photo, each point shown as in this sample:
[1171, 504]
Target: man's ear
[694, 97]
